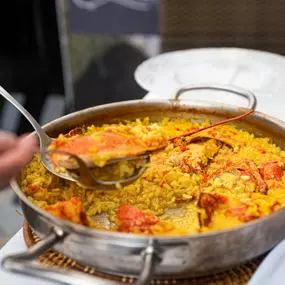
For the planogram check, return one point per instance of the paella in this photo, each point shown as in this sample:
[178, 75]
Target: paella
[214, 179]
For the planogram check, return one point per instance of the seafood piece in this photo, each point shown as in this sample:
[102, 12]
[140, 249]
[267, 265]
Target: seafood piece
[214, 125]
[71, 210]
[135, 220]
[97, 149]
[207, 204]
[195, 157]
[207, 136]
[244, 168]
[74, 132]
[272, 170]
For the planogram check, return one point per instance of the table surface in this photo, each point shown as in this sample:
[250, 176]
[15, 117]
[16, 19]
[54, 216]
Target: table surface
[16, 245]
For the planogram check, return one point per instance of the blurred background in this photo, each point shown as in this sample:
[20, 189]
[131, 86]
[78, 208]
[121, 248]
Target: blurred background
[59, 56]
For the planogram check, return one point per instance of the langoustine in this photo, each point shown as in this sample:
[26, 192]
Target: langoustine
[99, 148]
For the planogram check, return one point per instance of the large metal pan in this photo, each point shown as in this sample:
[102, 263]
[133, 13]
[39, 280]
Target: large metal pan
[150, 257]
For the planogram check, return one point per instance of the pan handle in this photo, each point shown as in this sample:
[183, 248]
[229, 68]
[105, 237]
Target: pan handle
[22, 264]
[235, 90]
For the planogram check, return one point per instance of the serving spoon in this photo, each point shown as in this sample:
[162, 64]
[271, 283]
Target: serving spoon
[84, 177]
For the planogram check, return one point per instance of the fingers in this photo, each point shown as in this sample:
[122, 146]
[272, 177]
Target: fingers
[29, 143]
[14, 159]
[25, 136]
[7, 141]
[22, 137]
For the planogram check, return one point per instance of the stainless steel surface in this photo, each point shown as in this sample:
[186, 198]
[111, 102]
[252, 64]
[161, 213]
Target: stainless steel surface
[22, 263]
[179, 256]
[235, 90]
[85, 175]
[87, 179]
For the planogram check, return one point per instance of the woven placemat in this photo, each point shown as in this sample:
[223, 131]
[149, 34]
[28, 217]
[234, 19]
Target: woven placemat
[237, 276]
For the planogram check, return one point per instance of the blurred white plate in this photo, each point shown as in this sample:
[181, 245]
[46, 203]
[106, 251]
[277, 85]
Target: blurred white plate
[272, 269]
[258, 71]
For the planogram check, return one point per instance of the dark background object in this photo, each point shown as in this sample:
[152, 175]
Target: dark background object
[110, 78]
[31, 63]
[30, 60]
[216, 23]
[131, 17]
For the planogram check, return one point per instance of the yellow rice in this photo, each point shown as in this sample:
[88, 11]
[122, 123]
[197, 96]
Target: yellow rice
[163, 182]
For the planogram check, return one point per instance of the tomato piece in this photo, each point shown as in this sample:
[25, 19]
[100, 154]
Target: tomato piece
[271, 171]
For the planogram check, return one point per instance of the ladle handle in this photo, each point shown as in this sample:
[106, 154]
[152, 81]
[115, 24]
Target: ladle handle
[44, 139]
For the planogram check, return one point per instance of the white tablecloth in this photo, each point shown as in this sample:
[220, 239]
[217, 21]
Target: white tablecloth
[16, 245]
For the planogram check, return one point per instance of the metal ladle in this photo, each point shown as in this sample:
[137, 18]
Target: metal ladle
[85, 176]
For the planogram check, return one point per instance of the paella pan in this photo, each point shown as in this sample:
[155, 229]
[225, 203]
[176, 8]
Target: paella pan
[214, 195]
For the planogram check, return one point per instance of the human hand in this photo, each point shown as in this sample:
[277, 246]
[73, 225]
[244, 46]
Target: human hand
[15, 154]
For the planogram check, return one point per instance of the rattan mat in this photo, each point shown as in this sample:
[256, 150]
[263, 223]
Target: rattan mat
[237, 276]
